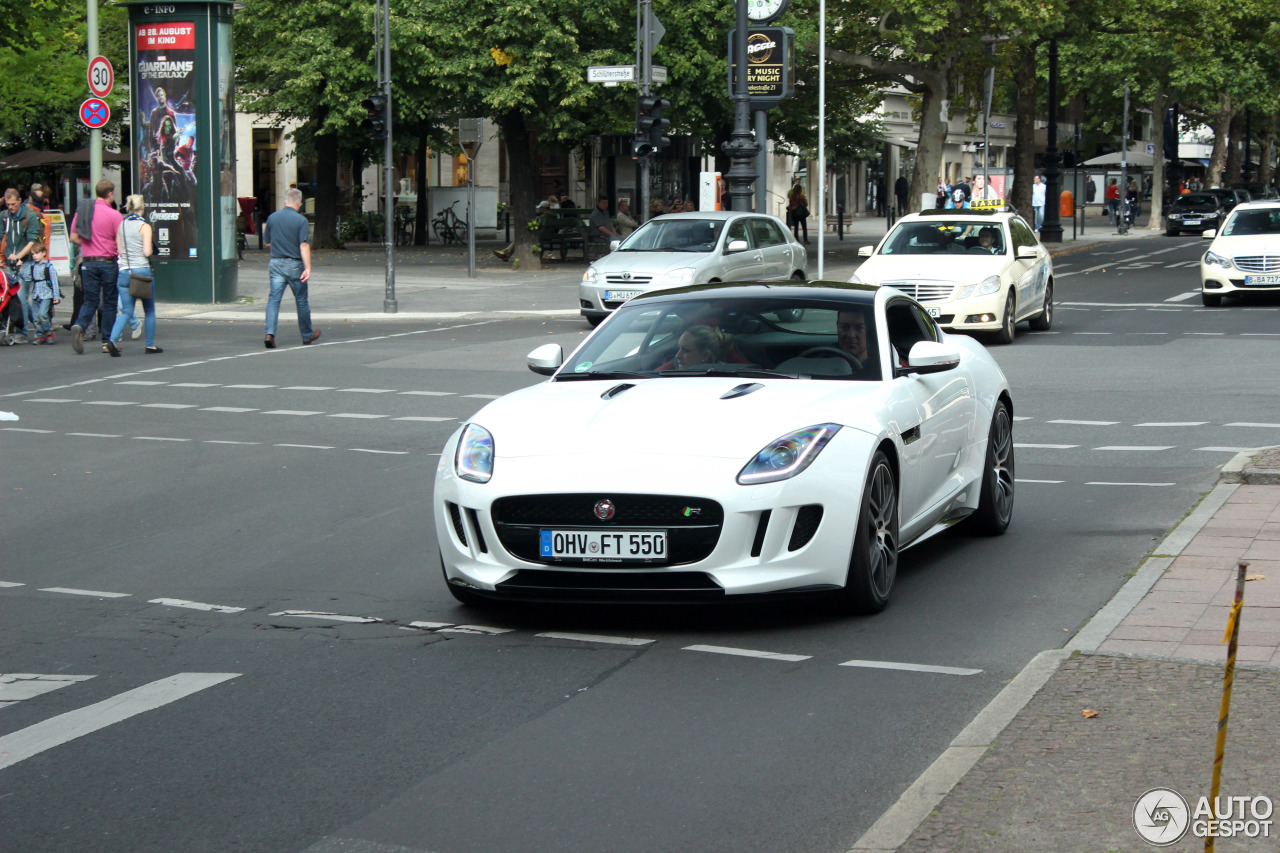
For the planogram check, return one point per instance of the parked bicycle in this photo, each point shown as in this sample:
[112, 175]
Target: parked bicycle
[448, 227]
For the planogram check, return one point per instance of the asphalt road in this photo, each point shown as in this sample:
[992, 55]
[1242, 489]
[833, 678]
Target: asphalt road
[353, 706]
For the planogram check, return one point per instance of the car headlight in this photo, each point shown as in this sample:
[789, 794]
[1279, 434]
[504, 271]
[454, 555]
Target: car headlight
[966, 291]
[1217, 260]
[988, 285]
[591, 276]
[474, 459]
[680, 276]
[785, 457]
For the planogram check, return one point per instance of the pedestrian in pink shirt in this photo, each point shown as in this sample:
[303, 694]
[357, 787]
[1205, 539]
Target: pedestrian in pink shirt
[93, 229]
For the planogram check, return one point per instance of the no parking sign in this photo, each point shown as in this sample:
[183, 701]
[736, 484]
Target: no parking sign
[94, 113]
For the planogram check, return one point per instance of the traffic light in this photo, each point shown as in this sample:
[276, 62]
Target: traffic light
[376, 124]
[650, 125]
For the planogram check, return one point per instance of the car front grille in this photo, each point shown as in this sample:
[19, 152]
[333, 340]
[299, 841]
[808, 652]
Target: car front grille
[692, 524]
[628, 280]
[925, 291]
[1259, 263]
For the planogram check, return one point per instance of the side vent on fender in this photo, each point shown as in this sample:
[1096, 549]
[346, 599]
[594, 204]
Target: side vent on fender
[807, 520]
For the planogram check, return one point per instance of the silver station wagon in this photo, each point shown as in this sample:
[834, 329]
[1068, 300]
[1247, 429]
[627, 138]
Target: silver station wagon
[691, 248]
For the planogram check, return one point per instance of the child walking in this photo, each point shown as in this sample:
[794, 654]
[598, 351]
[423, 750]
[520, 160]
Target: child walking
[42, 281]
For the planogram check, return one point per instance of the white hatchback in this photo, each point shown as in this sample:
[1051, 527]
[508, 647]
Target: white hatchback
[974, 271]
[1244, 256]
[691, 248]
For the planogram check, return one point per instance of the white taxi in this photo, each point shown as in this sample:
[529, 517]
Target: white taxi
[973, 270]
[1244, 256]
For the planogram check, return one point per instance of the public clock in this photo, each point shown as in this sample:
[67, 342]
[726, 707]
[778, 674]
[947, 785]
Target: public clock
[761, 11]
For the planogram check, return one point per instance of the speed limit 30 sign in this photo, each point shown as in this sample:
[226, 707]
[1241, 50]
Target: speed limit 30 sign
[101, 76]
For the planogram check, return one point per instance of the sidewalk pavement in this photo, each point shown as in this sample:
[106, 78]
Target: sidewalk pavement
[1034, 772]
[431, 282]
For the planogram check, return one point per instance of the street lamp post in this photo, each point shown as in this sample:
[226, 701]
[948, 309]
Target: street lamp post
[742, 146]
[1051, 228]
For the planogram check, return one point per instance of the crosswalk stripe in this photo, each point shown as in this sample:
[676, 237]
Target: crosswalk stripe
[58, 730]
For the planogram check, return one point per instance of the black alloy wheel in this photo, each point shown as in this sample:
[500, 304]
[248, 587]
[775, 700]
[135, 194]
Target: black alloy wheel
[873, 565]
[995, 504]
[1043, 321]
[1006, 333]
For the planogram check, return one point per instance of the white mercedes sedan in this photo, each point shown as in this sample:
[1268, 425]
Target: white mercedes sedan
[721, 441]
[1244, 256]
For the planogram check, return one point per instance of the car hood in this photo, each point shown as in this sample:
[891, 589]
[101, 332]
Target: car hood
[1253, 244]
[881, 268]
[649, 262]
[684, 416]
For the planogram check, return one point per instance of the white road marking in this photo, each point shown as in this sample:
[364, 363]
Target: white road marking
[250, 386]
[912, 667]
[16, 686]
[1227, 449]
[8, 584]
[1085, 423]
[1045, 482]
[66, 727]
[233, 409]
[367, 390]
[356, 415]
[423, 419]
[387, 452]
[157, 438]
[329, 617]
[428, 393]
[1208, 334]
[1183, 296]
[307, 446]
[430, 625]
[110, 403]
[1171, 423]
[596, 638]
[195, 384]
[167, 406]
[24, 429]
[1135, 447]
[227, 441]
[142, 382]
[1022, 417]
[1046, 446]
[1249, 424]
[483, 396]
[1113, 310]
[94, 434]
[746, 653]
[196, 605]
[1102, 483]
[95, 594]
[51, 400]
[1091, 333]
[307, 388]
[474, 629]
[291, 412]
[1259, 334]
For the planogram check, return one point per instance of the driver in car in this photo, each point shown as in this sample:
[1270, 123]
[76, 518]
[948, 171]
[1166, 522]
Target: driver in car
[851, 334]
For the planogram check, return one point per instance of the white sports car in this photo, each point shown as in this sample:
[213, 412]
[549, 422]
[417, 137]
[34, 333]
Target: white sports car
[729, 440]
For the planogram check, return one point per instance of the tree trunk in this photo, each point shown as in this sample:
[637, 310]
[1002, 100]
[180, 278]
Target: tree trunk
[1024, 148]
[1266, 147]
[1235, 150]
[1159, 105]
[931, 145]
[1221, 135]
[326, 234]
[521, 160]
[422, 236]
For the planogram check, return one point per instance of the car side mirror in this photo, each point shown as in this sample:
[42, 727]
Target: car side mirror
[865, 251]
[1027, 253]
[736, 246]
[1209, 235]
[614, 244]
[931, 357]
[546, 359]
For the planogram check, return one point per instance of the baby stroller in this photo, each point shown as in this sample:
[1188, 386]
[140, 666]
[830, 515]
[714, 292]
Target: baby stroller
[9, 306]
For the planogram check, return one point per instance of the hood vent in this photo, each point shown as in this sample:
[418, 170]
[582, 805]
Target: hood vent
[616, 390]
[741, 390]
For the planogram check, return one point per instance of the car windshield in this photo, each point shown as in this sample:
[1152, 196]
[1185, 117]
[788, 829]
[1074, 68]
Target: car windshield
[946, 237]
[1196, 202]
[674, 235]
[762, 337]
[1251, 223]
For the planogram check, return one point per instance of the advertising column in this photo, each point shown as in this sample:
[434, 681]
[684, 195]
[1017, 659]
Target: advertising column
[165, 142]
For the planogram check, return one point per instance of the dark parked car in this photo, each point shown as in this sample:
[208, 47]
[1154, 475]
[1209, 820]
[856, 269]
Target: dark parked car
[1230, 197]
[1258, 192]
[1195, 212]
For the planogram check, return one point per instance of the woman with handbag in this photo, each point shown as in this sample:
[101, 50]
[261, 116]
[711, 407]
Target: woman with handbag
[798, 212]
[133, 242]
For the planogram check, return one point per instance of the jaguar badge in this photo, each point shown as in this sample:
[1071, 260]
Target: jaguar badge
[604, 510]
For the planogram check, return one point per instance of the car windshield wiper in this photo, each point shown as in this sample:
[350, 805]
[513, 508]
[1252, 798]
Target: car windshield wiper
[603, 374]
[758, 372]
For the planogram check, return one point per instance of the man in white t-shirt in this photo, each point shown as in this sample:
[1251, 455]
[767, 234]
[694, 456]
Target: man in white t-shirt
[1037, 200]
